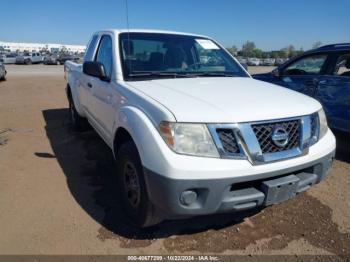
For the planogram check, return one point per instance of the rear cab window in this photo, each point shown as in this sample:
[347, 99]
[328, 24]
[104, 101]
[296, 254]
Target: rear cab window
[105, 54]
[89, 55]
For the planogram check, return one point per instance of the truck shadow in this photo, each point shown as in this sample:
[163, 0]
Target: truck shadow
[90, 170]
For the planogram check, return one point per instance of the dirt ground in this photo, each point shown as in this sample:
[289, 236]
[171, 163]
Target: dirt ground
[57, 192]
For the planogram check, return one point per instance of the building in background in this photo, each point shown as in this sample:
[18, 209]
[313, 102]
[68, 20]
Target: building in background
[31, 47]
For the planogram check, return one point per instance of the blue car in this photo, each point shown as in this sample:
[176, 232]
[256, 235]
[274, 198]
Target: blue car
[323, 73]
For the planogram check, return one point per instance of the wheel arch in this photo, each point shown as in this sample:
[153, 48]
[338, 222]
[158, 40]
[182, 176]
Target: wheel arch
[121, 136]
[68, 92]
[73, 96]
[133, 124]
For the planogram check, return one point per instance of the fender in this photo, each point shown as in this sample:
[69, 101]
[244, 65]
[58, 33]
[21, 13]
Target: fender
[145, 135]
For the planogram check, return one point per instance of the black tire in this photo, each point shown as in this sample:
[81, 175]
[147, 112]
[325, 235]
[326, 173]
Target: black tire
[140, 212]
[28, 62]
[78, 122]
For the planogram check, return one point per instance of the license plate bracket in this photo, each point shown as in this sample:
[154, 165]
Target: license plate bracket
[280, 189]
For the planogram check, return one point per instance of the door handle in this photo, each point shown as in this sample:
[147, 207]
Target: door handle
[89, 85]
[322, 82]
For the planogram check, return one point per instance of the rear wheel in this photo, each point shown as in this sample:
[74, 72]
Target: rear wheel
[78, 122]
[135, 201]
[28, 62]
[3, 78]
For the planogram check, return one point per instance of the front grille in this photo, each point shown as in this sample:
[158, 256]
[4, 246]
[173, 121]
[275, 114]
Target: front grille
[228, 141]
[264, 131]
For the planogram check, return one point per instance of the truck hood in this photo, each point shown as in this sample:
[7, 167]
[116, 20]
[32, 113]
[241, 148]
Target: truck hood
[226, 100]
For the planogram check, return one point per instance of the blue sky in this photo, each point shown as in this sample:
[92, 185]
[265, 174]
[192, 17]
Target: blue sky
[271, 24]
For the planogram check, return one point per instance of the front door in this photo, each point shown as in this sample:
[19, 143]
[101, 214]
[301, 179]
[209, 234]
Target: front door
[334, 92]
[102, 100]
[304, 74]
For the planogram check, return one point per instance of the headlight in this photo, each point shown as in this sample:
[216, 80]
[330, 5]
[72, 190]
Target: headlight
[323, 123]
[188, 139]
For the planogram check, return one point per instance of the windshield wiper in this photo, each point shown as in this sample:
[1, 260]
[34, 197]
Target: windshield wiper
[160, 74]
[146, 74]
[215, 74]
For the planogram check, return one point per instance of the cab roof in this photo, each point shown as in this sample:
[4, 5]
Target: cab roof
[119, 31]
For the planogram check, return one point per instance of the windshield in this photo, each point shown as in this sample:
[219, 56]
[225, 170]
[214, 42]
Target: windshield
[156, 55]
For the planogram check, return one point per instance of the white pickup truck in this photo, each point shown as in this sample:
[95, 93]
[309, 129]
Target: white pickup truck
[191, 131]
[29, 58]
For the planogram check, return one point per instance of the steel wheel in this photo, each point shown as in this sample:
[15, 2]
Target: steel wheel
[132, 184]
[133, 192]
[72, 112]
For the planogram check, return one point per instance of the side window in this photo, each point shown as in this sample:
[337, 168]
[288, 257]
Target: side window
[342, 67]
[104, 54]
[91, 48]
[310, 65]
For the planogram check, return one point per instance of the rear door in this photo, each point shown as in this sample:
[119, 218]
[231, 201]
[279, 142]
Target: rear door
[334, 91]
[303, 74]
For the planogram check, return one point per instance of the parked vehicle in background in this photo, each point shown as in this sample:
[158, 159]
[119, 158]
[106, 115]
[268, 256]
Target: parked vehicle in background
[243, 61]
[322, 73]
[59, 59]
[51, 59]
[29, 58]
[280, 61]
[80, 59]
[3, 71]
[62, 58]
[194, 137]
[268, 62]
[253, 61]
[9, 58]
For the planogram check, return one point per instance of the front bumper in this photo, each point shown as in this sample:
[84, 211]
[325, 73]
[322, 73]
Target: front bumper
[232, 194]
[168, 174]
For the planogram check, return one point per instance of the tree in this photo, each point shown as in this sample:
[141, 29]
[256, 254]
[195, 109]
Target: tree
[316, 44]
[291, 51]
[258, 53]
[248, 48]
[233, 50]
[283, 53]
[64, 50]
[287, 52]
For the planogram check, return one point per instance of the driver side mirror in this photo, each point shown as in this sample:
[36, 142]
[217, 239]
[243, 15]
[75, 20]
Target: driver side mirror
[95, 69]
[276, 72]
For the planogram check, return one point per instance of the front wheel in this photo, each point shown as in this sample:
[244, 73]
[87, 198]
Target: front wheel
[134, 196]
